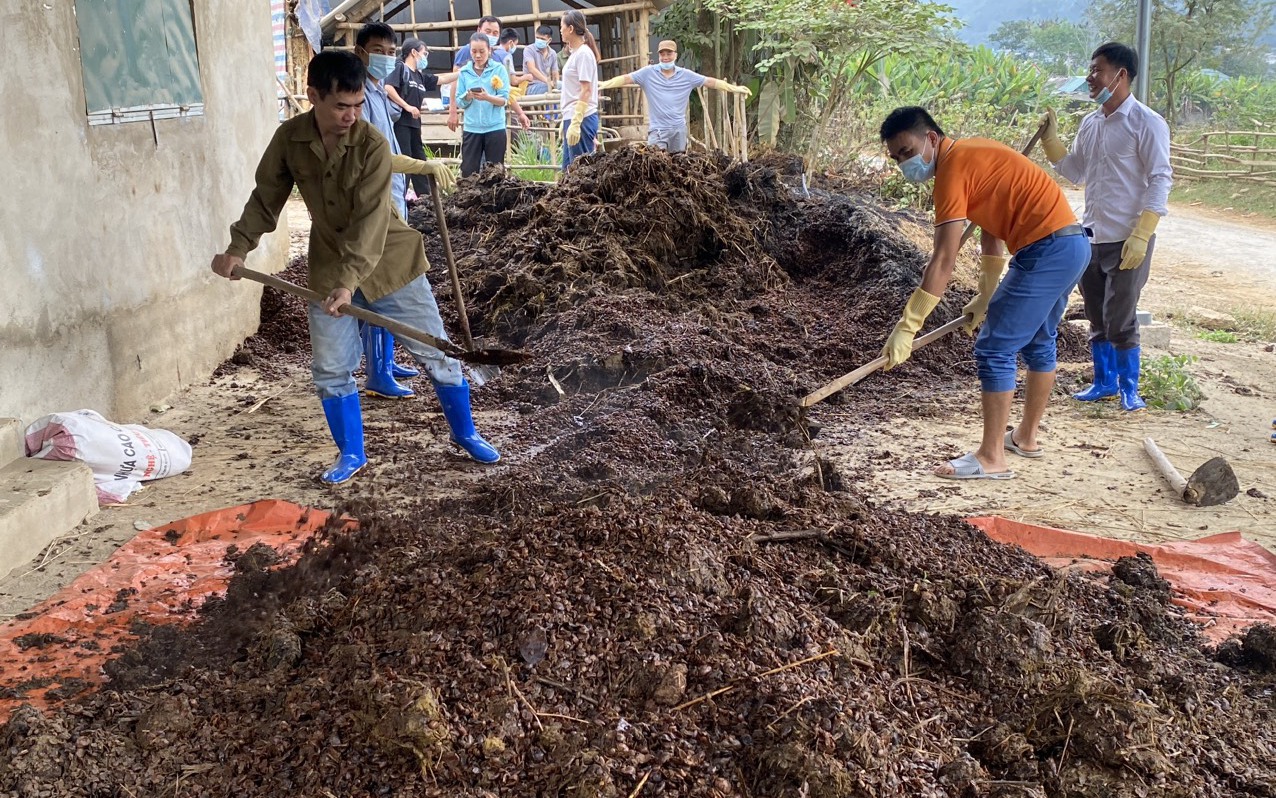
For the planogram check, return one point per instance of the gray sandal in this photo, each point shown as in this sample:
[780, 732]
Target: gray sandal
[968, 467]
[1031, 454]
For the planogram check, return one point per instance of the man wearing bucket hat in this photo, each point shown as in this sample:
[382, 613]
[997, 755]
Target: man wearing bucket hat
[668, 86]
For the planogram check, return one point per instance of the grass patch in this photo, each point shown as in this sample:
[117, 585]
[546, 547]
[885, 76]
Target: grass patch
[1218, 336]
[529, 151]
[1255, 324]
[1227, 196]
[1165, 383]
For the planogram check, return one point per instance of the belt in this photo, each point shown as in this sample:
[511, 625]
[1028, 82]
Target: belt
[1070, 230]
[1065, 232]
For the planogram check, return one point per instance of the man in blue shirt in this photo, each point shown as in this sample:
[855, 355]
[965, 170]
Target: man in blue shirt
[668, 86]
[374, 44]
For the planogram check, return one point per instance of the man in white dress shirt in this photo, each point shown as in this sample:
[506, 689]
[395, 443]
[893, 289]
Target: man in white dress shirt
[1122, 155]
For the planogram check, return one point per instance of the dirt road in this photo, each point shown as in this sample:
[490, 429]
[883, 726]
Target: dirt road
[1231, 260]
[1096, 478]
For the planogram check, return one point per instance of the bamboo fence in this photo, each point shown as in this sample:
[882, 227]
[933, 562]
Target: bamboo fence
[1227, 155]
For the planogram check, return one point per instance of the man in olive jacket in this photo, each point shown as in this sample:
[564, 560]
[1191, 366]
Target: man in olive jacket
[361, 253]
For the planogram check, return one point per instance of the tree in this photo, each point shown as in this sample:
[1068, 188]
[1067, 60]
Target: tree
[798, 41]
[1057, 46]
[1187, 35]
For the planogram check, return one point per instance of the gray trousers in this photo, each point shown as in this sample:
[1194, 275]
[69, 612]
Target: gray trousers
[1112, 296]
[670, 140]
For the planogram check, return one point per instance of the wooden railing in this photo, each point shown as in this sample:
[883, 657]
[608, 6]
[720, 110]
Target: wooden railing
[1219, 155]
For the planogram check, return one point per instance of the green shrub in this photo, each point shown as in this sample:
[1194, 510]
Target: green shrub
[1165, 383]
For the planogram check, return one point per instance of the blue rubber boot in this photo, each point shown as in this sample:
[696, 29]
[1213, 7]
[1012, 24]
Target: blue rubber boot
[397, 371]
[1103, 353]
[1127, 362]
[378, 364]
[455, 400]
[345, 420]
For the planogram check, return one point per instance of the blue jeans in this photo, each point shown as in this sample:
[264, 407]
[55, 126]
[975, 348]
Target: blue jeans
[336, 349]
[588, 135]
[1024, 314]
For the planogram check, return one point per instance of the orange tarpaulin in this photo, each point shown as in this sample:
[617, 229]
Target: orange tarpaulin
[162, 575]
[1225, 582]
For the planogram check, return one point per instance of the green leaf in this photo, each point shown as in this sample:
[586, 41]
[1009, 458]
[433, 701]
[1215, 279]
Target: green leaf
[770, 112]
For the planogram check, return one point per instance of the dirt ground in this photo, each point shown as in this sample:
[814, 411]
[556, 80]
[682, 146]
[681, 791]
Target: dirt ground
[1096, 477]
[259, 439]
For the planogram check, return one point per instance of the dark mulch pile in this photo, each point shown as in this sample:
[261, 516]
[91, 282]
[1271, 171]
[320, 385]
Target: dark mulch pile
[666, 592]
[282, 340]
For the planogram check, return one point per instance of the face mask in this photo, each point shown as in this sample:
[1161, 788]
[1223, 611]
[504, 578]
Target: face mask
[669, 67]
[1106, 93]
[380, 66]
[541, 44]
[493, 40]
[918, 170]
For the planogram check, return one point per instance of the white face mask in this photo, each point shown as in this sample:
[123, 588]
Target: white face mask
[668, 67]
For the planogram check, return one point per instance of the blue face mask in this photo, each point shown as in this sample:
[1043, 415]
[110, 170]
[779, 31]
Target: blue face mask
[918, 170]
[1106, 93]
[541, 44]
[493, 40]
[669, 67]
[380, 66]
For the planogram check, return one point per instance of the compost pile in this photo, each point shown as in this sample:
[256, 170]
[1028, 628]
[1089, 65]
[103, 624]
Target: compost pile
[667, 591]
[282, 340]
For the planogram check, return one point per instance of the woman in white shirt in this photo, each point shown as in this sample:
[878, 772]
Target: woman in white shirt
[580, 82]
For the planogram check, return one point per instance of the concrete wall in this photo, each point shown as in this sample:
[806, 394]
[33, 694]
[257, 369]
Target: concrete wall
[106, 298]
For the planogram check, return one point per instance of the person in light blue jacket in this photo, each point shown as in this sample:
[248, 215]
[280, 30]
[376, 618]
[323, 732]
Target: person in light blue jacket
[482, 92]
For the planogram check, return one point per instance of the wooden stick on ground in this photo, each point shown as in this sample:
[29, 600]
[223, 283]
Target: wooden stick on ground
[771, 672]
[1167, 469]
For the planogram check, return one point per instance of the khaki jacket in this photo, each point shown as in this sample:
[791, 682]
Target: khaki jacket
[357, 239]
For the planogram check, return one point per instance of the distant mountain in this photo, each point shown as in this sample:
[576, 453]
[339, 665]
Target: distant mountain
[982, 17]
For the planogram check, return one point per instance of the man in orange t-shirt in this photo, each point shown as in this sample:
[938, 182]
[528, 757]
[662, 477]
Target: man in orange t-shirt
[1015, 204]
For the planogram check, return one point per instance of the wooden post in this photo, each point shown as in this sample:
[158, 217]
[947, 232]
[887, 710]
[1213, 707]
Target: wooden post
[743, 111]
[412, 12]
[644, 41]
[710, 136]
[451, 15]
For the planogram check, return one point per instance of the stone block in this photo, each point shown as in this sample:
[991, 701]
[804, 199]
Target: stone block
[1211, 319]
[40, 500]
[1155, 335]
[12, 445]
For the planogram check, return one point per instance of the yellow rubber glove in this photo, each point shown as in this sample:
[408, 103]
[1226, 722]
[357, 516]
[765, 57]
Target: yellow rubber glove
[734, 89]
[578, 117]
[1136, 246]
[438, 170]
[990, 269]
[1054, 149]
[612, 83]
[899, 345]
[497, 83]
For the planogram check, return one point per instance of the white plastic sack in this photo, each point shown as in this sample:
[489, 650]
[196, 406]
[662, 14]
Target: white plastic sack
[121, 456]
